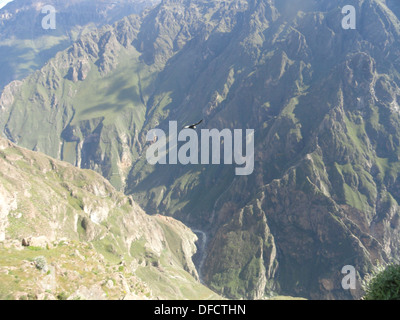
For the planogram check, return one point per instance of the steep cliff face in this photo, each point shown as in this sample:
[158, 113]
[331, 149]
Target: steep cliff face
[326, 163]
[59, 212]
[323, 102]
[25, 45]
[81, 129]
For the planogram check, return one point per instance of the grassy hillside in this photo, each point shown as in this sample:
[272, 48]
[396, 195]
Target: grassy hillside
[25, 46]
[323, 102]
[66, 233]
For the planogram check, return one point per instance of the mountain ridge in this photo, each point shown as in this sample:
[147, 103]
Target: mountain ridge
[323, 102]
[26, 45]
[52, 211]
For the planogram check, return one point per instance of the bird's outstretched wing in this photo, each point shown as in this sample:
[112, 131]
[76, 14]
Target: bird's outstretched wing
[193, 126]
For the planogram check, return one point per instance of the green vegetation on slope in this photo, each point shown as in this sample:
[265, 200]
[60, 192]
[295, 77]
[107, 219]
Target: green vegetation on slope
[67, 233]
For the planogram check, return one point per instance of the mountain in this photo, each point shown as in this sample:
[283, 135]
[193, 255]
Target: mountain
[66, 233]
[323, 102]
[26, 46]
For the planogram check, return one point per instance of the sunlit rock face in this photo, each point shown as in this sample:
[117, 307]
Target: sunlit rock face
[321, 98]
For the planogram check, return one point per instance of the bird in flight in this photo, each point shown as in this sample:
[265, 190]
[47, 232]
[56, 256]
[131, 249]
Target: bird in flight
[193, 126]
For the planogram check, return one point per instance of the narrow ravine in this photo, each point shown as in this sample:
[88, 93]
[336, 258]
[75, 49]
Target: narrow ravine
[200, 255]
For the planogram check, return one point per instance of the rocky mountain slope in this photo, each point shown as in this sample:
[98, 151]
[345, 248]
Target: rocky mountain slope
[66, 233]
[26, 46]
[323, 102]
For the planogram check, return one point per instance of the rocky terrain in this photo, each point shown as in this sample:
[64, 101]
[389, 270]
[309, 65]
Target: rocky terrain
[323, 103]
[25, 46]
[66, 233]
